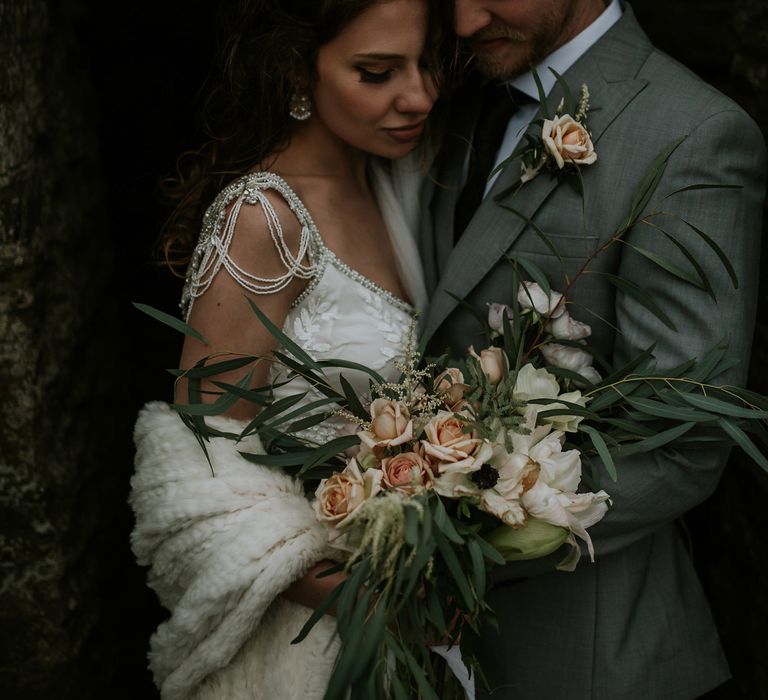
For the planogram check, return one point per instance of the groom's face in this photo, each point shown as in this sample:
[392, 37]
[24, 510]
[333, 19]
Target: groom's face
[507, 37]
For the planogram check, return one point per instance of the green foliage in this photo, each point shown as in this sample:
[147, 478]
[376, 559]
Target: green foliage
[421, 579]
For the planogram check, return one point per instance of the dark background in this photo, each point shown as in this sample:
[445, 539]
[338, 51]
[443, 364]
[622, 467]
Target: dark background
[96, 102]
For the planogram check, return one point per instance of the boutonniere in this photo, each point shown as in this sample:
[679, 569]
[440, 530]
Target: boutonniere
[563, 143]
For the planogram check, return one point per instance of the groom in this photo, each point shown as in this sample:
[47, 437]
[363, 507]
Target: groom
[634, 624]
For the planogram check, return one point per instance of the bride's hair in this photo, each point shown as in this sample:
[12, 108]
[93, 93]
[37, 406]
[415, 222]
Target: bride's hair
[245, 113]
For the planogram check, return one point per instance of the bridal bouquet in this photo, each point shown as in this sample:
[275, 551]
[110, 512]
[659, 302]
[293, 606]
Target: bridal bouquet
[466, 463]
[463, 465]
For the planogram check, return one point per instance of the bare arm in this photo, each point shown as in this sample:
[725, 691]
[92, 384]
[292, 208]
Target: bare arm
[223, 316]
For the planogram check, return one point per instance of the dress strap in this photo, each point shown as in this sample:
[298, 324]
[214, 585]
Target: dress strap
[213, 248]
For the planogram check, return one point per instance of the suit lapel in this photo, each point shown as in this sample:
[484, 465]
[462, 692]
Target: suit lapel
[609, 71]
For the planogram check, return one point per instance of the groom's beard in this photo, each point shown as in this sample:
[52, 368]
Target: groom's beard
[520, 50]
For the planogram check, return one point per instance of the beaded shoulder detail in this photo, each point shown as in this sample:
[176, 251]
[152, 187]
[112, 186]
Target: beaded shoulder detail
[212, 250]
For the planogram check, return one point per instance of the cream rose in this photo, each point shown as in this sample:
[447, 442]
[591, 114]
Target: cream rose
[492, 362]
[496, 314]
[568, 357]
[566, 328]
[391, 425]
[567, 141]
[450, 386]
[531, 296]
[446, 441]
[408, 472]
[340, 495]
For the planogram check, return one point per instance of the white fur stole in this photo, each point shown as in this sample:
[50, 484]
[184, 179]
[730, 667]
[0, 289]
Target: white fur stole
[221, 548]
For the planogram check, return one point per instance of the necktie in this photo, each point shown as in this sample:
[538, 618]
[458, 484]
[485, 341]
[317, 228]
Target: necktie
[499, 103]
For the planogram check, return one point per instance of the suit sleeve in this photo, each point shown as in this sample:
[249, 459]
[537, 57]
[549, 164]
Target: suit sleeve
[658, 487]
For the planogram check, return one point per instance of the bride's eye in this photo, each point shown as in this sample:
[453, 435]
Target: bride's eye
[371, 76]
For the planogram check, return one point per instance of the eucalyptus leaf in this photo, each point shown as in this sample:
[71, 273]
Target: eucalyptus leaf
[543, 237]
[542, 95]
[303, 409]
[285, 342]
[570, 100]
[602, 449]
[536, 273]
[478, 566]
[654, 442]
[668, 266]
[726, 263]
[711, 404]
[171, 321]
[347, 364]
[201, 371]
[254, 396]
[689, 188]
[676, 413]
[353, 402]
[330, 449]
[318, 381]
[640, 296]
[456, 571]
[464, 304]
[222, 404]
[318, 613]
[444, 523]
[651, 179]
[426, 691]
[706, 285]
[637, 365]
[276, 408]
[308, 422]
[632, 428]
[743, 441]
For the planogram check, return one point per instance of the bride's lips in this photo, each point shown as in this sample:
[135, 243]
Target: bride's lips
[406, 134]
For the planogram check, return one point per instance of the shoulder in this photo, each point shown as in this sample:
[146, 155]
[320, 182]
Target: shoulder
[257, 203]
[265, 216]
[259, 233]
[691, 107]
[671, 95]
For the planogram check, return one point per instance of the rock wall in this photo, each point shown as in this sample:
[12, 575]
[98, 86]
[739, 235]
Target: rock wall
[64, 444]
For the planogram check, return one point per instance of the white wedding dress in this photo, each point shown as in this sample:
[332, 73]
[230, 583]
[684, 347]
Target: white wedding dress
[222, 546]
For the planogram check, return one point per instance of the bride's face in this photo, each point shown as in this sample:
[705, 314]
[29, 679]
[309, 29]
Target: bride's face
[373, 90]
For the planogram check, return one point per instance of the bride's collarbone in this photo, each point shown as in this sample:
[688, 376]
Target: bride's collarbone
[351, 226]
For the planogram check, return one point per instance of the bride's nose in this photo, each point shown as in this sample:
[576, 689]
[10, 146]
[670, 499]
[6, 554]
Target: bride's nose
[418, 95]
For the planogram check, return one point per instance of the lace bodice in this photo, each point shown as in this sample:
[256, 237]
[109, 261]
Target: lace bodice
[340, 315]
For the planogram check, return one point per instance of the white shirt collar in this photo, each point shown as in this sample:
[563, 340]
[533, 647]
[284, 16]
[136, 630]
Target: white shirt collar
[564, 57]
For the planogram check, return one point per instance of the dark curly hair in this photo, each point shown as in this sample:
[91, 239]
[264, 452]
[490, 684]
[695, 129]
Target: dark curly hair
[245, 112]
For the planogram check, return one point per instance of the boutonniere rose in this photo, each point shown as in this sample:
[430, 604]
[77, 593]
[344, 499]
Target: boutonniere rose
[567, 141]
[564, 144]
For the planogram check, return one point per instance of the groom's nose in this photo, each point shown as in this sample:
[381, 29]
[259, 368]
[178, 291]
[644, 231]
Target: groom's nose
[471, 16]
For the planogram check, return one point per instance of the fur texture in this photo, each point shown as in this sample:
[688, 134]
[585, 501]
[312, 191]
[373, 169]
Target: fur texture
[220, 549]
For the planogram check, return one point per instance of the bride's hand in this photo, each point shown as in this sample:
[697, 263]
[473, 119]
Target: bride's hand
[311, 590]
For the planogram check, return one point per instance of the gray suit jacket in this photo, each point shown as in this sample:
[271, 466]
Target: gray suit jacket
[634, 624]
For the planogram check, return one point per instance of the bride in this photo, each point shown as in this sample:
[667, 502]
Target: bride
[305, 219]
